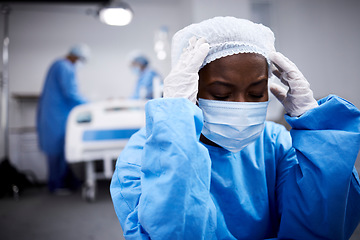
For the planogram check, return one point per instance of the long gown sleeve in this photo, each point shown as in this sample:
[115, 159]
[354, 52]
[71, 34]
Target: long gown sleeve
[174, 169]
[321, 194]
[68, 85]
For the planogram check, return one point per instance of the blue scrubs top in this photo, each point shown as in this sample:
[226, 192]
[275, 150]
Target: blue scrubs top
[60, 94]
[145, 81]
[297, 185]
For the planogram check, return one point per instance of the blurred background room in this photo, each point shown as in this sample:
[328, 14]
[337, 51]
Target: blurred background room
[321, 36]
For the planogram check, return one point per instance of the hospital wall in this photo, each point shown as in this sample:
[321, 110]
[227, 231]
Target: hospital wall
[321, 36]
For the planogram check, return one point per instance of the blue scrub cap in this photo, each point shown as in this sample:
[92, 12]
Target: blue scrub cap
[81, 51]
[142, 60]
[226, 36]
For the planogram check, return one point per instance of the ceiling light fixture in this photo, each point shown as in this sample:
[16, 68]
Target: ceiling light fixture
[116, 13]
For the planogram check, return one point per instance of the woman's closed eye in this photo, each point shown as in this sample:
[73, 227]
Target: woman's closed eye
[256, 95]
[221, 97]
[220, 91]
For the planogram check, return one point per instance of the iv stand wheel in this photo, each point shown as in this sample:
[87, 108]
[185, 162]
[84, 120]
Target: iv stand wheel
[89, 193]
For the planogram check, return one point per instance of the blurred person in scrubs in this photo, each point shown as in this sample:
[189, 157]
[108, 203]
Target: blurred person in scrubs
[209, 166]
[147, 78]
[59, 95]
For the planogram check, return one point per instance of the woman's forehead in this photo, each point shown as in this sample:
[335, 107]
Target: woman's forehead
[238, 62]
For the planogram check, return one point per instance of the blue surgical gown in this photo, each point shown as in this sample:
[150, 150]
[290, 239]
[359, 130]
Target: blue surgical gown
[60, 94]
[297, 185]
[145, 81]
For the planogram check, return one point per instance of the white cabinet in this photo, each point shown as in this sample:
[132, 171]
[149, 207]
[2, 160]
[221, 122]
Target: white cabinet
[24, 152]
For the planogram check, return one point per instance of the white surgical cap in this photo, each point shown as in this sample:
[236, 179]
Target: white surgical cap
[81, 51]
[226, 36]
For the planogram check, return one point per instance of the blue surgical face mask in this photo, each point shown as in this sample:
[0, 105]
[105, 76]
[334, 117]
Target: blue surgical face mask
[136, 70]
[79, 64]
[233, 125]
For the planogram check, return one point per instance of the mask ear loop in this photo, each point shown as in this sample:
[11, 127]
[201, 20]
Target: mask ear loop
[271, 76]
[197, 102]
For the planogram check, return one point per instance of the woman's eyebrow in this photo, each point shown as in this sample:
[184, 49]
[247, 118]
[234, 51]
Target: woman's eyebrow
[259, 82]
[218, 82]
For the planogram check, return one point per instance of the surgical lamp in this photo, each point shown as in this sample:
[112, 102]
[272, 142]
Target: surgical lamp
[116, 13]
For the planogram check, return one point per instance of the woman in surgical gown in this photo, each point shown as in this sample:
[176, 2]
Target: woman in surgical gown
[208, 166]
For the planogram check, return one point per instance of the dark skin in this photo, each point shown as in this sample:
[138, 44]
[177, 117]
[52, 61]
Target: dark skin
[73, 59]
[238, 78]
[136, 64]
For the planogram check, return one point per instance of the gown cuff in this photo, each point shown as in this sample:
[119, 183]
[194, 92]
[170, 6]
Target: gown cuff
[333, 113]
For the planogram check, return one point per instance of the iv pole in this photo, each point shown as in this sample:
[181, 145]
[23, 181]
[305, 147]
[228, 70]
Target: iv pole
[4, 83]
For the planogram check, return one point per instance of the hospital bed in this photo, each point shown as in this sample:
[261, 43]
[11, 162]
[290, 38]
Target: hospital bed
[99, 131]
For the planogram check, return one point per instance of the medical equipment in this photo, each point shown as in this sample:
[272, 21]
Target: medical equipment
[99, 131]
[4, 82]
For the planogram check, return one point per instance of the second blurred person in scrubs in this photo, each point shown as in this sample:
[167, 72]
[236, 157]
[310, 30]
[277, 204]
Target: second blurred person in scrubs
[146, 78]
[59, 95]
